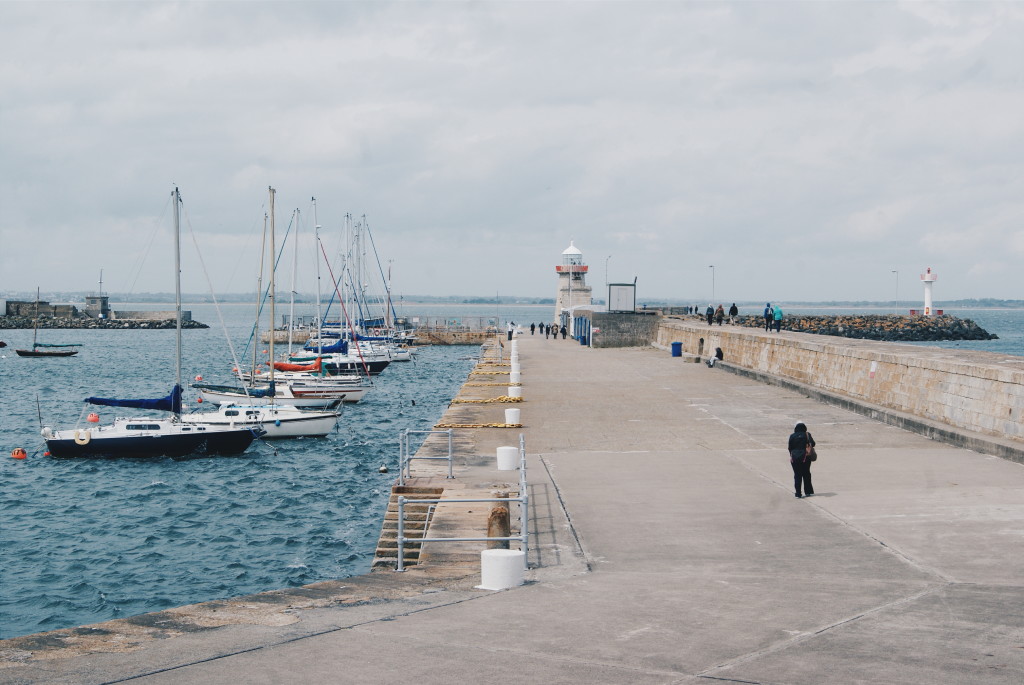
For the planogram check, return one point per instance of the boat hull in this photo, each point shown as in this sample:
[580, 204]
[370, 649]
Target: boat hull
[160, 438]
[46, 353]
[278, 421]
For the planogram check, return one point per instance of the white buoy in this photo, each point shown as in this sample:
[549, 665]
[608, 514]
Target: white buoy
[512, 416]
[516, 391]
[508, 458]
[501, 569]
[515, 377]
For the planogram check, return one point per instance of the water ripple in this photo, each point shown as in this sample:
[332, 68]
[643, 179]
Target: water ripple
[88, 541]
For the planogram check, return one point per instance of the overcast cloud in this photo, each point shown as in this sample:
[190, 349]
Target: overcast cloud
[806, 150]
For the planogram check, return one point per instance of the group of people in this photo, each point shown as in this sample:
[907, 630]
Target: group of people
[772, 317]
[548, 330]
[718, 315]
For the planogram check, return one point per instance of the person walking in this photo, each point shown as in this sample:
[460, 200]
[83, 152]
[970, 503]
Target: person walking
[719, 315]
[533, 327]
[777, 316]
[733, 313]
[564, 332]
[767, 316]
[709, 314]
[547, 330]
[799, 460]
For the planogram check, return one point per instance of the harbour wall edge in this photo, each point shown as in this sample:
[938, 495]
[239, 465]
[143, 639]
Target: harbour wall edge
[971, 399]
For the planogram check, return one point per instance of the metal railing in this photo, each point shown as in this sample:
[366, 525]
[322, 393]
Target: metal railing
[524, 523]
[405, 458]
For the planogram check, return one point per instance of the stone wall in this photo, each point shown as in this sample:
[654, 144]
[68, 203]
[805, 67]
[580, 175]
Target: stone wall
[142, 315]
[973, 391]
[623, 329]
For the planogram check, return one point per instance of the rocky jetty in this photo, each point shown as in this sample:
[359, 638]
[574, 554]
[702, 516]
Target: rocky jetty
[86, 322]
[881, 327]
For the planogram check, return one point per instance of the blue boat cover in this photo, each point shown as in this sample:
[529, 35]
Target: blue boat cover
[171, 403]
[340, 346]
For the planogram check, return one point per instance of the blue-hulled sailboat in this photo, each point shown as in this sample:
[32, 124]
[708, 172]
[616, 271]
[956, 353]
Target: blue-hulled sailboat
[146, 436]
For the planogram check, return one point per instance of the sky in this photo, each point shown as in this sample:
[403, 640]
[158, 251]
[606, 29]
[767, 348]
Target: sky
[710, 150]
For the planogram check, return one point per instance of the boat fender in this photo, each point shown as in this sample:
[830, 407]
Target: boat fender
[277, 422]
[82, 437]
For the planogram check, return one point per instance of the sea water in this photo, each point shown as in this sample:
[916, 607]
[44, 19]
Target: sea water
[83, 541]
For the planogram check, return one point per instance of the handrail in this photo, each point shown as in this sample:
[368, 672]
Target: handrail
[524, 521]
[404, 458]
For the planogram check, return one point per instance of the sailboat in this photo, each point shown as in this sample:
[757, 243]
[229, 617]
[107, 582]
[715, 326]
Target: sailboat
[43, 349]
[286, 409]
[146, 436]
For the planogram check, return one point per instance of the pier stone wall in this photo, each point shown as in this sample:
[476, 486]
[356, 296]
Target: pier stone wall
[980, 392]
[623, 329]
[138, 315]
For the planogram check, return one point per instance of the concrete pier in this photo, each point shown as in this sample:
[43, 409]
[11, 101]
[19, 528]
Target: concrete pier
[668, 549]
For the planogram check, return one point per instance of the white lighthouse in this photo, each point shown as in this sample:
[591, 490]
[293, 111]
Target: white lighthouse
[928, 278]
[572, 282]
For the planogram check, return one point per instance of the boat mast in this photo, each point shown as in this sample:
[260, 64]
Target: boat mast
[316, 256]
[35, 321]
[272, 296]
[259, 303]
[295, 267]
[177, 296]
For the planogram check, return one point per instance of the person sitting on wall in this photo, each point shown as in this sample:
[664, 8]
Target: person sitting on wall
[718, 356]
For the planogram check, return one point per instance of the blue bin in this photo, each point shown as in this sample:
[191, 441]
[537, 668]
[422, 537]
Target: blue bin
[677, 349]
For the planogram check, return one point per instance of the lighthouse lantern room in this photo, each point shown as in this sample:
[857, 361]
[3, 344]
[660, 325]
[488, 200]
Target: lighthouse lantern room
[573, 290]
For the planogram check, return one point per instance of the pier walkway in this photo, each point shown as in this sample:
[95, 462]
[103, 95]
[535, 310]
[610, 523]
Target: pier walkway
[670, 549]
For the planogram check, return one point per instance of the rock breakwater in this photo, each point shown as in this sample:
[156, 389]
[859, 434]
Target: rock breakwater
[881, 327]
[86, 322]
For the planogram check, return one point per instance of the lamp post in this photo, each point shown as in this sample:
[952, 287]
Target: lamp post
[897, 291]
[606, 272]
[712, 267]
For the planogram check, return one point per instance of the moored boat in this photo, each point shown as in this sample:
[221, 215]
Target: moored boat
[277, 420]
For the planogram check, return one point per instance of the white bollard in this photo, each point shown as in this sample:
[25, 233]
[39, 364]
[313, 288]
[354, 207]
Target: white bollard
[516, 391]
[515, 377]
[512, 416]
[508, 458]
[515, 367]
[501, 569]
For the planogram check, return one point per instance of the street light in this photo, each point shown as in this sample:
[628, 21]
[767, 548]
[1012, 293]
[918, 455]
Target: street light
[897, 291]
[712, 267]
[606, 272]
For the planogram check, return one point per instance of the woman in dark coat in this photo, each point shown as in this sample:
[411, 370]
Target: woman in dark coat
[798, 442]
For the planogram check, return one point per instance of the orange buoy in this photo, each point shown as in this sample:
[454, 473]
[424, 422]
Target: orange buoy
[19, 453]
[199, 400]
[46, 453]
[199, 378]
[93, 418]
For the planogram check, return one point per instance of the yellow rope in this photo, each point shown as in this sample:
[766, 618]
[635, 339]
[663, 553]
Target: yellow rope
[487, 385]
[488, 373]
[503, 398]
[478, 425]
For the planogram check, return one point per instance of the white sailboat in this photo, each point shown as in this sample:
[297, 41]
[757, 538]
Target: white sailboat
[257, 398]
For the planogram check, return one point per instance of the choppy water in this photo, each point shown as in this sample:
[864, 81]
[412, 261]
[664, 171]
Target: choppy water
[86, 541]
[83, 541]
